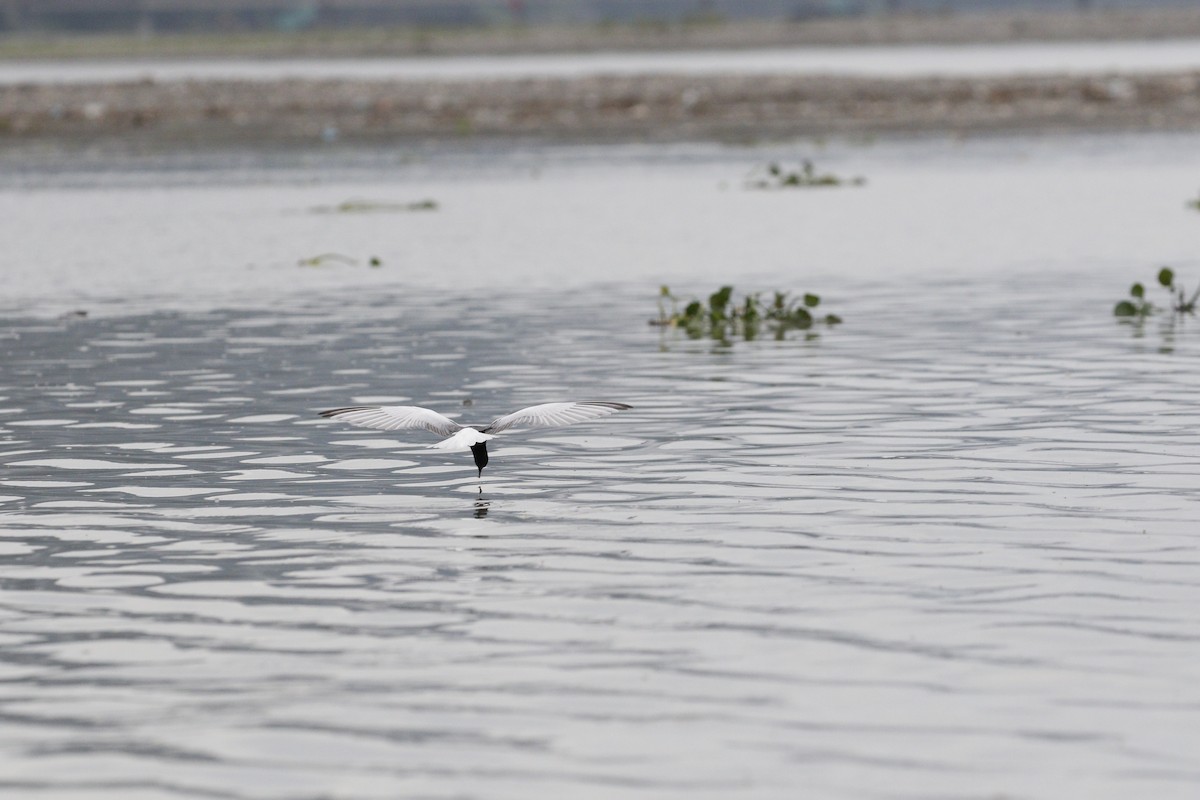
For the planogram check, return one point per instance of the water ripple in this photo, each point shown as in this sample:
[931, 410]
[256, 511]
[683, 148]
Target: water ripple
[897, 555]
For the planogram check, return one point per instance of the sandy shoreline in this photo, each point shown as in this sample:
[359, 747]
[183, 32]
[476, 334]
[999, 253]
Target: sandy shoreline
[638, 108]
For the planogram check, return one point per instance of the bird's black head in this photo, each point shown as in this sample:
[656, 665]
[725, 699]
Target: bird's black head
[481, 457]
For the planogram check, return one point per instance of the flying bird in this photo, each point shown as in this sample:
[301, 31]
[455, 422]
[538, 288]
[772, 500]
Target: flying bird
[475, 437]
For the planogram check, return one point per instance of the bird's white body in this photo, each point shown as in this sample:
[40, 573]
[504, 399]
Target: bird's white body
[463, 440]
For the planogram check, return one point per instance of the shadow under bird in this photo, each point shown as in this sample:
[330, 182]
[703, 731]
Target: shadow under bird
[475, 437]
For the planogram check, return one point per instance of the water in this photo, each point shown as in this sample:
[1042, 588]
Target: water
[229, 231]
[889, 61]
[947, 549]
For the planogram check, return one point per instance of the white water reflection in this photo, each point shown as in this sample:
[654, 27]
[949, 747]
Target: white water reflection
[892, 561]
[888, 61]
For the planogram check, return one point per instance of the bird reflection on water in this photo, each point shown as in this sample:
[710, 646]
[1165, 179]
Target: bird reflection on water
[481, 506]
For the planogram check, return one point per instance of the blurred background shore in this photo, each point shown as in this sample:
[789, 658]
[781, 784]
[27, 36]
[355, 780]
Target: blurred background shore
[240, 72]
[92, 35]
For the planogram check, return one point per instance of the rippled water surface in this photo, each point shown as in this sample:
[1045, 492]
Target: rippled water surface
[948, 549]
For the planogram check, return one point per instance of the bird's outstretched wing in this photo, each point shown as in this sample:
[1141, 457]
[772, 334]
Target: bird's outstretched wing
[394, 418]
[549, 415]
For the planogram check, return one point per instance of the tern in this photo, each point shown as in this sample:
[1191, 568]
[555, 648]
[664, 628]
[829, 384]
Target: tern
[475, 437]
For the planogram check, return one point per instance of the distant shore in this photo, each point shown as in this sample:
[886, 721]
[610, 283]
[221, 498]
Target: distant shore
[311, 112]
[879, 29]
[597, 108]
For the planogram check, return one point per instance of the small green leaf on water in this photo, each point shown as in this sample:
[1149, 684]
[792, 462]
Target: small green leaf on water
[720, 298]
[832, 319]
[1138, 291]
[1125, 309]
[376, 262]
[811, 300]
[1166, 276]
[664, 291]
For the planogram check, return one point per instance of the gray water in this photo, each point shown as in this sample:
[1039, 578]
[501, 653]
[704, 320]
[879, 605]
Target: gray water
[947, 549]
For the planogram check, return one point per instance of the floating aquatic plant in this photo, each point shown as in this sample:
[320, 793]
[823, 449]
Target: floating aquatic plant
[1138, 306]
[326, 259]
[373, 206]
[721, 318]
[775, 176]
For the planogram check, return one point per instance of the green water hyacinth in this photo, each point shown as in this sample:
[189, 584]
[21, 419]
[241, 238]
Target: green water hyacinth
[329, 259]
[806, 176]
[1139, 307]
[723, 319]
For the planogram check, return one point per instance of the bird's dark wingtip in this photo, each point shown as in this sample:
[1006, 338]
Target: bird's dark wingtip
[334, 412]
[606, 404]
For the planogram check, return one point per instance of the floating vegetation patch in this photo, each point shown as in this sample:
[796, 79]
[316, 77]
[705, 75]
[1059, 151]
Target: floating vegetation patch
[1139, 307]
[334, 259]
[1193, 204]
[373, 207]
[723, 319]
[777, 176]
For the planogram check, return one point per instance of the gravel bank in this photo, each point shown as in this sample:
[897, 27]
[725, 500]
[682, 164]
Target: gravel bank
[647, 107]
